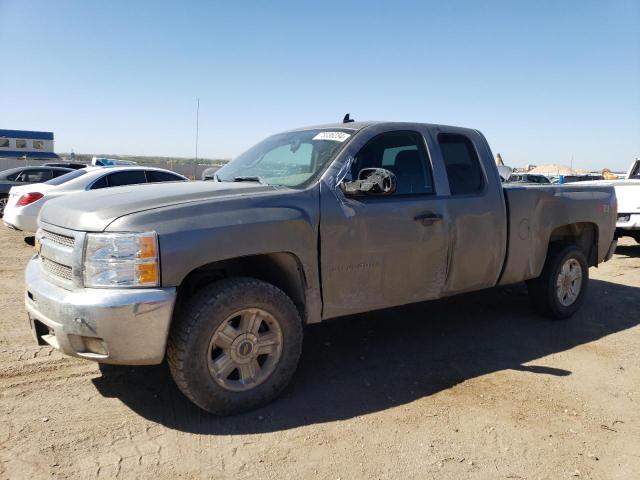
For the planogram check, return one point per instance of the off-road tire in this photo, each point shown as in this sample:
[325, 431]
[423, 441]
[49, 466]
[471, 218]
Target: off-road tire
[194, 326]
[542, 290]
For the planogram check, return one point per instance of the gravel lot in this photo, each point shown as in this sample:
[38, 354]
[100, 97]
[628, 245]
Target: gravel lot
[472, 387]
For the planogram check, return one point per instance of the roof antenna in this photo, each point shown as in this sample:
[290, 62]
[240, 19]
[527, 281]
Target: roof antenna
[347, 119]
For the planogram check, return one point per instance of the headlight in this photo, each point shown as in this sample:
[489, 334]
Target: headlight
[121, 260]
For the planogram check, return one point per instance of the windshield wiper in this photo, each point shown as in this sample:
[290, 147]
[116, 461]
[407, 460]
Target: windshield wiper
[249, 178]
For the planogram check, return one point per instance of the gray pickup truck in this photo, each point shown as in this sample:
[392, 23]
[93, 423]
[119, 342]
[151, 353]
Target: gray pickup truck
[221, 276]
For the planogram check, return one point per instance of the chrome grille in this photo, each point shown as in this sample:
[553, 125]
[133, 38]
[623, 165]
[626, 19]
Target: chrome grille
[57, 269]
[59, 239]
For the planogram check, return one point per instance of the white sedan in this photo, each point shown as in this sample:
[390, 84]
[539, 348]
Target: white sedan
[25, 202]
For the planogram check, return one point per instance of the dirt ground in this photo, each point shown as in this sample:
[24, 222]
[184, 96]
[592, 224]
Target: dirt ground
[472, 387]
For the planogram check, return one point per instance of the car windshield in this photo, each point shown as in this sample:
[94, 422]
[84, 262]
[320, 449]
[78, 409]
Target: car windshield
[291, 159]
[66, 177]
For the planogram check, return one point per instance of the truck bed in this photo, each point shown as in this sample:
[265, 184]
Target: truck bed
[539, 214]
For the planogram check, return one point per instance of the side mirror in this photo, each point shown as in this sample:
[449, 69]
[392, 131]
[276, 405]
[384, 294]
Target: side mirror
[371, 181]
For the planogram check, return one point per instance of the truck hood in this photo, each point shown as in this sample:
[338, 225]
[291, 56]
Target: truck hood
[93, 211]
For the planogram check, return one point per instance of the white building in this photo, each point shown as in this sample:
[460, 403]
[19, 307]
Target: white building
[18, 144]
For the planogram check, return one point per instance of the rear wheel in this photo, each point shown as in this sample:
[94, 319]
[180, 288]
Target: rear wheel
[559, 291]
[235, 345]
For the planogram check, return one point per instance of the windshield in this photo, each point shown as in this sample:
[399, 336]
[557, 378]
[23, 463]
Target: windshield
[66, 177]
[290, 159]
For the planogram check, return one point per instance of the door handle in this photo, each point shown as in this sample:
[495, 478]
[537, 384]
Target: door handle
[428, 218]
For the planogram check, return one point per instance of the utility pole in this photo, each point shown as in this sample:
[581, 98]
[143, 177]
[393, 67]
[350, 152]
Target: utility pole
[195, 164]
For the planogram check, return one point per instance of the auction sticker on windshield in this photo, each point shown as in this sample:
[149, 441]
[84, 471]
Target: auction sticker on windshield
[335, 136]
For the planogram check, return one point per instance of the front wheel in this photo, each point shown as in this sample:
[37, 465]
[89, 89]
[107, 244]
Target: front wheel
[559, 291]
[235, 345]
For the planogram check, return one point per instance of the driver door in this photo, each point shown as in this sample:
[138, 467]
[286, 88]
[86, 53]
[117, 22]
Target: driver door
[383, 251]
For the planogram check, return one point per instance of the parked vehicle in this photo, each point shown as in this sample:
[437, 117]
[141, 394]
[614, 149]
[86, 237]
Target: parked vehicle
[110, 162]
[576, 178]
[25, 202]
[504, 172]
[628, 199]
[210, 173]
[23, 176]
[634, 170]
[628, 193]
[75, 166]
[528, 178]
[307, 225]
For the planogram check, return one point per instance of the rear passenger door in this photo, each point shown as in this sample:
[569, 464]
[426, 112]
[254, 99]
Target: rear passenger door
[476, 210]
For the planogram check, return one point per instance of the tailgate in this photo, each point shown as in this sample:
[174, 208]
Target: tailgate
[628, 195]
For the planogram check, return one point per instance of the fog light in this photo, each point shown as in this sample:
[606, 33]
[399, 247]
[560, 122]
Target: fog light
[95, 345]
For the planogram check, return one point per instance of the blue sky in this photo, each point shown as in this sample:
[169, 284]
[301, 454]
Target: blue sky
[544, 80]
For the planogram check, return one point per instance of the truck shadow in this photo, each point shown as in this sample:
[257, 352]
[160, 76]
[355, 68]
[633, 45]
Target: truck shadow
[630, 251]
[368, 363]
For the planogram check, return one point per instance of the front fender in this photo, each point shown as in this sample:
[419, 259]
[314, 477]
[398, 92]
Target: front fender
[195, 234]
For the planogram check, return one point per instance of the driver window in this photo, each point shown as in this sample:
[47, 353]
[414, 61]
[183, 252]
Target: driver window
[402, 153]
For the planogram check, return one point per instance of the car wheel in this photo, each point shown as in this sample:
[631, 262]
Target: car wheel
[235, 345]
[559, 291]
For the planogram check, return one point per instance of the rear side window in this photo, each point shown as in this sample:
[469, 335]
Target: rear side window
[462, 164]
[35, 176]
[154, 176]
[131, 177]
[100, 183]
[58, 173]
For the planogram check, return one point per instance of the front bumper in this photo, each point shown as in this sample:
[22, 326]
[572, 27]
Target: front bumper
[119, 326]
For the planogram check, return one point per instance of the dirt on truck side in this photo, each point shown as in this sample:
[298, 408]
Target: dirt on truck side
[477, 386]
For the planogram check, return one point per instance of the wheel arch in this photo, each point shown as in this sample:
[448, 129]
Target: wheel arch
[282, 269]
[582, 234]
